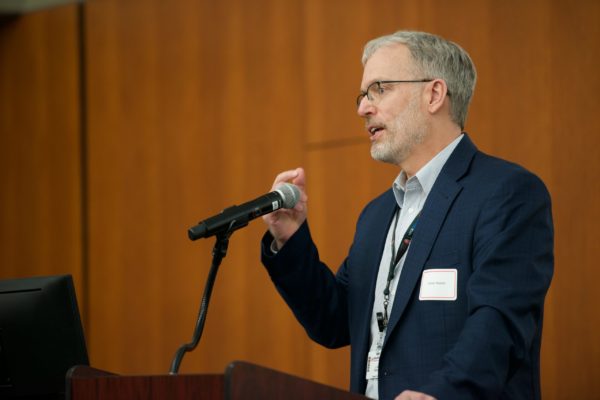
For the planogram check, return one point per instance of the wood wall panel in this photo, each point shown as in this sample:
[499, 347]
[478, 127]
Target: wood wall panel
[333, 37]
[40, 198]
[186, 116]
[571, 344]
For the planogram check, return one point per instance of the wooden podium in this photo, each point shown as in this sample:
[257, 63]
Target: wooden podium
[241, 381]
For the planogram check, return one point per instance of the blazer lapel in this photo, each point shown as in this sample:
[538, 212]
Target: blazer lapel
[434, 213]
[377, 233]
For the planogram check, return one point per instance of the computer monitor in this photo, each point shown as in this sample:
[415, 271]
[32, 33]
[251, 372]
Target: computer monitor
[41, 337]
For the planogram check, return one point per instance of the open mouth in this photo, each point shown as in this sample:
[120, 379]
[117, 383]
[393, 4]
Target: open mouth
[374, 131]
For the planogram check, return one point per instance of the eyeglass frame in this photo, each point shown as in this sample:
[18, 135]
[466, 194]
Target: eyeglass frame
[365, 93]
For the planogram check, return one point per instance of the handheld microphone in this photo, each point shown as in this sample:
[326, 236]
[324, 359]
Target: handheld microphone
[285, 195]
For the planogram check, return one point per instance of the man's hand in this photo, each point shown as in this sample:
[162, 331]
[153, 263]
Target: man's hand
[410, 395]
[284, 223]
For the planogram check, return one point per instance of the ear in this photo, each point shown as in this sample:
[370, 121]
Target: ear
[437, 95]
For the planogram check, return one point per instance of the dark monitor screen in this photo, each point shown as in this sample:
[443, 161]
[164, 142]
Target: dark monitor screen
[41, 336]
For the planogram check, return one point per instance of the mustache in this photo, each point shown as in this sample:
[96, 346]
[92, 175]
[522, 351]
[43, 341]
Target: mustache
[372, 122]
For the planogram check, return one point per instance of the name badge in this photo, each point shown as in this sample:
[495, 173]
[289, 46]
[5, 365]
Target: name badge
[439, 284]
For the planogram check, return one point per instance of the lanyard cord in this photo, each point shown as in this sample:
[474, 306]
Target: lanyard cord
[382, 320]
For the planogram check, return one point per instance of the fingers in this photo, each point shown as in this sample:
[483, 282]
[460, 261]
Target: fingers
[283, 223]
[300, 179]
[284, 176]
[296, 176]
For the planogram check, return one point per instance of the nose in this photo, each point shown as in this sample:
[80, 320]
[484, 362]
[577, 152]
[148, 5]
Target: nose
[365, 108]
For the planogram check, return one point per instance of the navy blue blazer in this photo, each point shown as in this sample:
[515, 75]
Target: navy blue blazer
[488, 219]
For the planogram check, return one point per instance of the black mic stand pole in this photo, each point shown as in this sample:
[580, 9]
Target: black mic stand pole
[219, 252]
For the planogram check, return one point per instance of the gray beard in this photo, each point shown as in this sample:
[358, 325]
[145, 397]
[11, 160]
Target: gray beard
[412, 131]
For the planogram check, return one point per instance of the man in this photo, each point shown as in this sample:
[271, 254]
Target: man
[441, 295]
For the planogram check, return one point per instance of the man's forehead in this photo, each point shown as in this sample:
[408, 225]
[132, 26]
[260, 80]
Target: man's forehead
[393, 61]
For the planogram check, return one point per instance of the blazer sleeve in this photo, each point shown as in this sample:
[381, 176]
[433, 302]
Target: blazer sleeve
[512, 266]
[316, 296]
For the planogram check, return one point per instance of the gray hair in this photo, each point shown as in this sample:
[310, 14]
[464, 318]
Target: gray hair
[436, 57]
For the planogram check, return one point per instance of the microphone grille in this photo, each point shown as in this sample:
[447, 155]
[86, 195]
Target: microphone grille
[290, 194]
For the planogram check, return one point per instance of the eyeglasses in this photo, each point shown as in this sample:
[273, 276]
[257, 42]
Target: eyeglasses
[377, 89]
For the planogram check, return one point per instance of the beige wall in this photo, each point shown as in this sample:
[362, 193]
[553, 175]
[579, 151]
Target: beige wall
[173, 110]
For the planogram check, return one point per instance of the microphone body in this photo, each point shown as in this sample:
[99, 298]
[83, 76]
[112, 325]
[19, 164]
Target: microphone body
[236, 217]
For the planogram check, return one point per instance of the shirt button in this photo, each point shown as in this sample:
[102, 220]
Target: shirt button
[410, 210]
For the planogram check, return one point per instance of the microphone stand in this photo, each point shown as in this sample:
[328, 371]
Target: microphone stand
[219, 252]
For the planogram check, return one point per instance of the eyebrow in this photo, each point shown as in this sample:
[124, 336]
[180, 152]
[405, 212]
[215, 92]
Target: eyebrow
[372, 82]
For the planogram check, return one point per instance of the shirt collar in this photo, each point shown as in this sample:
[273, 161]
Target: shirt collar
[426, 176]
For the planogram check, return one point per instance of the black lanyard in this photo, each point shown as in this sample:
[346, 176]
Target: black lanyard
[382, 318]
